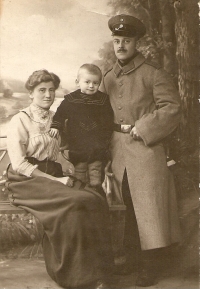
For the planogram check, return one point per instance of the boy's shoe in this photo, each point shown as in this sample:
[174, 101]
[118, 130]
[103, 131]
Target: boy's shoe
[124, 269]
[146, 278]
[104, 285]
[130, 265]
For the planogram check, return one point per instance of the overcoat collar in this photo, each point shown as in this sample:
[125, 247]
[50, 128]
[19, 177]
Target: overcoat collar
[132, 65]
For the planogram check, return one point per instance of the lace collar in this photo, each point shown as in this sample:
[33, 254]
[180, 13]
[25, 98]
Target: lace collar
[37, 113]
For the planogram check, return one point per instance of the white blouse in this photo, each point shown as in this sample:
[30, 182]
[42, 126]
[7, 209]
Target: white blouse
[28, 137]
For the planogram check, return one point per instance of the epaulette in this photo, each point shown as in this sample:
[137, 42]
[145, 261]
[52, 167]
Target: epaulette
[153, 63]
[108, 70]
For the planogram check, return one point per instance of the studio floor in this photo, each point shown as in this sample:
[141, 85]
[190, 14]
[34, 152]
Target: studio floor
[31, 274]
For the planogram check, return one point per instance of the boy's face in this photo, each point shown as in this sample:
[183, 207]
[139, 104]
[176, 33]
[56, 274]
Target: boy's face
[88, 83]
[124, 47]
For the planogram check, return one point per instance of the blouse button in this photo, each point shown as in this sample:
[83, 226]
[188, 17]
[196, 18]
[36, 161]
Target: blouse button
[121, 120]
[120, 95]
[119, 107]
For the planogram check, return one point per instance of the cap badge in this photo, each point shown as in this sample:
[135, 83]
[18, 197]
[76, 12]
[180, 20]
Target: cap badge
[120, 26]
[122, 19]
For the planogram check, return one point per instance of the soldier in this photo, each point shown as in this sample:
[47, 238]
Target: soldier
[146, 109]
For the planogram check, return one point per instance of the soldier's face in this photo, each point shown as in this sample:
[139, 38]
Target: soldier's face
[124, 47]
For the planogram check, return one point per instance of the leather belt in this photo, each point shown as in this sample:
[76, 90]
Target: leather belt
[125, 128]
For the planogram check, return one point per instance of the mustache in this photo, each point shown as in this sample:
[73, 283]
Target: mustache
[121, 50]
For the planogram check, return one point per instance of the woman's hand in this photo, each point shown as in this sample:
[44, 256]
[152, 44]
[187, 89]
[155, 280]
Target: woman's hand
[66, 181]
[54, 132]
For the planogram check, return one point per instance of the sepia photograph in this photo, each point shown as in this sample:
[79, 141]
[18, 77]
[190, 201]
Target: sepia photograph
[99, 144]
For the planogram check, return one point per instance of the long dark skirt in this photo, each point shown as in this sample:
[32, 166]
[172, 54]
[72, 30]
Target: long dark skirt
[76, 243]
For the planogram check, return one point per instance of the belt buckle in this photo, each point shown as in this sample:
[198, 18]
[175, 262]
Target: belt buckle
[126, 128]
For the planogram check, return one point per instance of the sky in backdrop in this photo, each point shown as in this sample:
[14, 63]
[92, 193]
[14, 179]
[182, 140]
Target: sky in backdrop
[59, 35]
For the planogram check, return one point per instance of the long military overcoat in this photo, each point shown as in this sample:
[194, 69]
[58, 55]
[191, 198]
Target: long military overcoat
[144, 95]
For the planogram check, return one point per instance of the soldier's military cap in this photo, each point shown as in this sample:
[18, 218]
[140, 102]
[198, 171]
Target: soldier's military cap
[126, 25]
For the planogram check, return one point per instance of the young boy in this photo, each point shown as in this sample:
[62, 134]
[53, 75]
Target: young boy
[89, 125]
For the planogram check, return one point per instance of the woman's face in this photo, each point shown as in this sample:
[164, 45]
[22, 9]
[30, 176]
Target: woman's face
[43, 94]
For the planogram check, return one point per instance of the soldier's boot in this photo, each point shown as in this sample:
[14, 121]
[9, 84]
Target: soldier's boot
[148, 268]
[131, 264]
[81, 172]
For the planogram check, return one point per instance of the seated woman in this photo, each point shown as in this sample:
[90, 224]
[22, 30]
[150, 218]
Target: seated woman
[76, 242]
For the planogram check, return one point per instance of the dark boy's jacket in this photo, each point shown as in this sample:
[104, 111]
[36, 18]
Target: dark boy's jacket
[89, 126]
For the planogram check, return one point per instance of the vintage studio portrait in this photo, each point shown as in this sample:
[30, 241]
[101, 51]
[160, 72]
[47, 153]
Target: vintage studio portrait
[99, 161]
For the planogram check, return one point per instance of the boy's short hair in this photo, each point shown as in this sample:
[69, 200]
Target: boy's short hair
[91, 68]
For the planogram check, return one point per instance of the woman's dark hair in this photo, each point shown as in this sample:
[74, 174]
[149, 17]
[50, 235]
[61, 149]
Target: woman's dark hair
[40, 76]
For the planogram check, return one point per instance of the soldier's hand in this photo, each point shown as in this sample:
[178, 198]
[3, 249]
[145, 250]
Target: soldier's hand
[135, 134]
